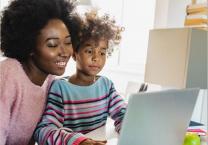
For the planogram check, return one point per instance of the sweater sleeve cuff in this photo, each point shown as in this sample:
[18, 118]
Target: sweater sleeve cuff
[79, 139]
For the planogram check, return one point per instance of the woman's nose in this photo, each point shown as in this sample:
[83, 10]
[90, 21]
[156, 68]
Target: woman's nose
[65, 50]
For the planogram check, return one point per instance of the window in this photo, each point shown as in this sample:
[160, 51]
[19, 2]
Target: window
[137, 17]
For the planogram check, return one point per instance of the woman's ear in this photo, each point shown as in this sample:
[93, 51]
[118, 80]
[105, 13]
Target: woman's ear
[31, 54]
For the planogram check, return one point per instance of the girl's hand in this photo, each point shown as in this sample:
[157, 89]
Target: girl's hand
[93, 142]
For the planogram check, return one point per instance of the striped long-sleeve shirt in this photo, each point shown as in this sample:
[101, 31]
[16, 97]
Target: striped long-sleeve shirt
[73, 111]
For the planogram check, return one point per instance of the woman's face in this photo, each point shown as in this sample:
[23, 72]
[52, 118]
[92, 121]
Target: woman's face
[54, 48]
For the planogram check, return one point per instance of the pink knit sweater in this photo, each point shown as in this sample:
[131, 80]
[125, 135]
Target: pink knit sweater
[21, 103]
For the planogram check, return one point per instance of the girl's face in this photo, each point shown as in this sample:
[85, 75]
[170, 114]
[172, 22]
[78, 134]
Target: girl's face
[54, 48]
[91, 58]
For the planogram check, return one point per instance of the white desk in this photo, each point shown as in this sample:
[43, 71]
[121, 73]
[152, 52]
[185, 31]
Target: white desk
[99, 135]
[108, 133]
[105, 133]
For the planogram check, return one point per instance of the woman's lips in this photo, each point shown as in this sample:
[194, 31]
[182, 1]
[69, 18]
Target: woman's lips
[61, 63]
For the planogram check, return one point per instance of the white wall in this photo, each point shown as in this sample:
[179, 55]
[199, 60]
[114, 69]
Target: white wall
[3, 3]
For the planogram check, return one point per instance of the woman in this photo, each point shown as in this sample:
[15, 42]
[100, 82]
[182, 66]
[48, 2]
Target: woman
[35, 36]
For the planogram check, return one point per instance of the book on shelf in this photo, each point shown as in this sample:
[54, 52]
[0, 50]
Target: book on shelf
[200, 130]
[197, 15]
[198, 5]
[199, 26]
[196, 8]
[197, 21]
[192, 11]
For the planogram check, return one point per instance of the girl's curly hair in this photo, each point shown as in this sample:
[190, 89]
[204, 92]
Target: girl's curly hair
[22, 21]
[94, 27]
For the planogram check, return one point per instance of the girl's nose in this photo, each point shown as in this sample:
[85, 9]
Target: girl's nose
[95, 56]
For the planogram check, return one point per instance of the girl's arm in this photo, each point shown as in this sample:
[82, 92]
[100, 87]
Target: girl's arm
[117, 107]
[50, 129]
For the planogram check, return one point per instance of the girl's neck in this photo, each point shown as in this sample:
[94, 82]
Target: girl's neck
[35, 75]
[82, 79]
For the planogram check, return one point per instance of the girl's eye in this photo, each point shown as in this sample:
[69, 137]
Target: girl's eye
[89, 51]
[103, 52]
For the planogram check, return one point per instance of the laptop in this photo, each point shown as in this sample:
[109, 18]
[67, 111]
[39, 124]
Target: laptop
[158, 118]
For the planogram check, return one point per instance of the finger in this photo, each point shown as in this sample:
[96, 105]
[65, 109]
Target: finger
[99, 143]
[103, 141]
[88, 142]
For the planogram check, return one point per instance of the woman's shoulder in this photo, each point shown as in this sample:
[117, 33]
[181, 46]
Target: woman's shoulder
[10, 62]
[11, 66]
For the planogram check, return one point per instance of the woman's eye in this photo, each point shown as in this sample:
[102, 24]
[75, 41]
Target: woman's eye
[52, 45]
[68, 41]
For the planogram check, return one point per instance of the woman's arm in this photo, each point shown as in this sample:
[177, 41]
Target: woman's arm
[4, 120]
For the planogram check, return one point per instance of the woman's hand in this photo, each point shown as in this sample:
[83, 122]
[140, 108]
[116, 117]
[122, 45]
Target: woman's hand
[93, 142]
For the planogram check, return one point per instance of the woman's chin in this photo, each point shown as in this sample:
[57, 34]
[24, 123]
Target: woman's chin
[59, 72]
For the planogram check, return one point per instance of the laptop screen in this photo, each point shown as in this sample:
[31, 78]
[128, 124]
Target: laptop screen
[158, 118]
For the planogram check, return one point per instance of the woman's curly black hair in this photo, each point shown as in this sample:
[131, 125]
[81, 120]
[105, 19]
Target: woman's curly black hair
[95, 27]
[22, 21]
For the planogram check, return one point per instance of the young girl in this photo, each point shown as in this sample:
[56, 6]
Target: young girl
[83, 102]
